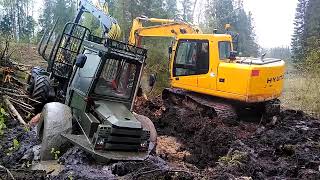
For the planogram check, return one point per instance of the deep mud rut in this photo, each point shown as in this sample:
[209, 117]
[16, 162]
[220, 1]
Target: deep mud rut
[191, 145]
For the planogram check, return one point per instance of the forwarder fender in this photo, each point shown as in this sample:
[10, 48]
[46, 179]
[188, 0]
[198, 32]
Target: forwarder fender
[55, 119]
[146, 123]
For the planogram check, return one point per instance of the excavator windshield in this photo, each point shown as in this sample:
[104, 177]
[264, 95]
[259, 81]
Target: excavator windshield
[192, 58]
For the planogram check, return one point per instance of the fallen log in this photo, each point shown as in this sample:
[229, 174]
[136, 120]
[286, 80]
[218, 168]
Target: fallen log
[22, 106]
[35, 101]
[9, 90]
[21, 103]
[13, 110]
[15, 95]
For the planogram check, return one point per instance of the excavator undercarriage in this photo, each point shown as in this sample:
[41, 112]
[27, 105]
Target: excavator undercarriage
[228, 111]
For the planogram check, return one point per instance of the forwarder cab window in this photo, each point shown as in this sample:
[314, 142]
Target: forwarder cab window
[192, 58]
[224, 50]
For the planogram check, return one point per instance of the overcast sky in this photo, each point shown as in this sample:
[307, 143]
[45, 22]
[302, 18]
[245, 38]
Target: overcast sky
[273, 20]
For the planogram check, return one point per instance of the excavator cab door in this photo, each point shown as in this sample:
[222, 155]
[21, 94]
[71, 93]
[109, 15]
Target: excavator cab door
[191, 61]
[184, 70]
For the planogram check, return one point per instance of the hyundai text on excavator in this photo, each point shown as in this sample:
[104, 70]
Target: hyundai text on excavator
[204, 70]
[91, 83]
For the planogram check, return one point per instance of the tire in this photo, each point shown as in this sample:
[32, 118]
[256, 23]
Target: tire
[36, 71]
[56, 118]
[147, 124]
[41, 89]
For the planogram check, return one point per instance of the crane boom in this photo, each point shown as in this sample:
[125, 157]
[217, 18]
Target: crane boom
[110, 24]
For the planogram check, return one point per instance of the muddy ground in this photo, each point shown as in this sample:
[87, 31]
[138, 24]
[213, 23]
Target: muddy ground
[191, 145]
[290, 148]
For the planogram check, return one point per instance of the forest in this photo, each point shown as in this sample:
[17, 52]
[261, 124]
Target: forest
[305, 40]
[187, 107]
[20, 20]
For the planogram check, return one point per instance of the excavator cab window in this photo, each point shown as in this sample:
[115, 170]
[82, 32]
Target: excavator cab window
[224, 50]
[192, 58]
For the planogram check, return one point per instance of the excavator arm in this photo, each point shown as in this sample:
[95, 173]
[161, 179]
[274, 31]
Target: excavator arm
[164, 28]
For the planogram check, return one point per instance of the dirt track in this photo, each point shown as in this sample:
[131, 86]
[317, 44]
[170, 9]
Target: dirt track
[191, 145]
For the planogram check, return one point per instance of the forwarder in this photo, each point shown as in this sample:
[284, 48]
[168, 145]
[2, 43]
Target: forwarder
[204, 71]
[90, 85]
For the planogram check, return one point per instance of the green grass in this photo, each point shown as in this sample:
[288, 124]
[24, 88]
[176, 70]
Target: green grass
[301, 91]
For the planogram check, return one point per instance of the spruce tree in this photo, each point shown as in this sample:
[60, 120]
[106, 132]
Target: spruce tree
[298, 38]
[222, 12]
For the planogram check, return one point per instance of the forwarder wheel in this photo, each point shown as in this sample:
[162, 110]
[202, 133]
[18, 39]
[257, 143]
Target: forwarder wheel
[56, 118]
[41, 89]
[146, 123]
[36, 71]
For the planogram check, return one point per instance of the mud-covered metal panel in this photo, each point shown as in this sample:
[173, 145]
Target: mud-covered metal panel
[105, 156]
[116, 114]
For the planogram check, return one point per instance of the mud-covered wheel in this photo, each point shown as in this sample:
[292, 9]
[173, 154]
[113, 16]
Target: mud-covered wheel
[41, 89]
[36, 71]
[56, 119]
[146, 123]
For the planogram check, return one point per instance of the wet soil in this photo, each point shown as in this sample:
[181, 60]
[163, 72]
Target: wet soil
[203, 136]
[79, 165]
[17, 151]
[192, 144]
[288, 148]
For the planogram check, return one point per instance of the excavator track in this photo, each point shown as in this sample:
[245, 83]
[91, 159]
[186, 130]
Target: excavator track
[224, 111]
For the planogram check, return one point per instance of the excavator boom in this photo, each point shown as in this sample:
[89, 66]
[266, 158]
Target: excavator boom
[163, 28]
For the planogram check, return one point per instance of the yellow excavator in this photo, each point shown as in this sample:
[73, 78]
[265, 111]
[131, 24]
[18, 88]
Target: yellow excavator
[204, 70]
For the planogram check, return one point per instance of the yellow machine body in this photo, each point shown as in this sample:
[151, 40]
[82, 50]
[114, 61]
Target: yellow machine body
[249, 80]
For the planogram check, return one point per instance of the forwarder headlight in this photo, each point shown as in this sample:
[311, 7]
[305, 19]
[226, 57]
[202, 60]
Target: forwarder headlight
[100, 143]
[144, 146]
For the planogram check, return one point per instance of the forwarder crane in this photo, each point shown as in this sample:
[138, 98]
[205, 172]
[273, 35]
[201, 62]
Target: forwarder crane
[204, 70]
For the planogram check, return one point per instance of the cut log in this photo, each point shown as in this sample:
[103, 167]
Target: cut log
[13, 110]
